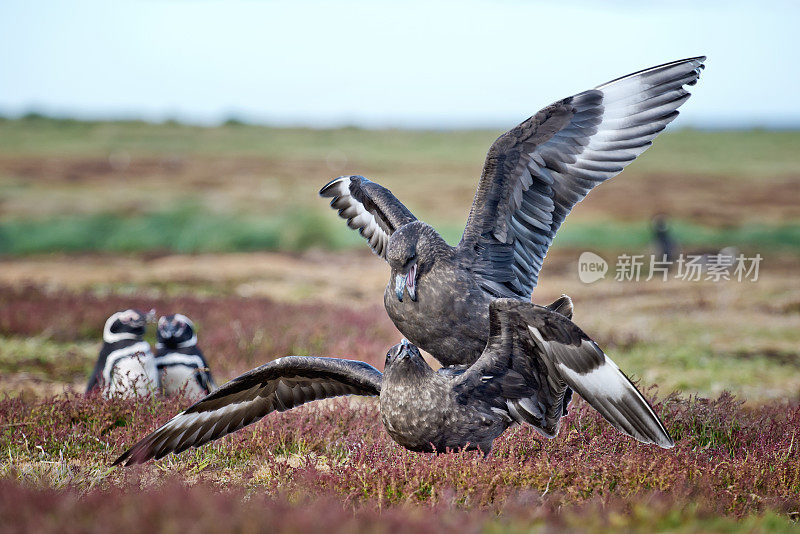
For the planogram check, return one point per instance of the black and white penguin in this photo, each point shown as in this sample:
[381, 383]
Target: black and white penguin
[126, 365]
[180, 362]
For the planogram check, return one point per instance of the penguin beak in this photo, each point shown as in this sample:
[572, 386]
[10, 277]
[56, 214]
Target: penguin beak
[168, 331]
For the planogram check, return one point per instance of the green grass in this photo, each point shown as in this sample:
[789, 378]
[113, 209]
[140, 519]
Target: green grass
[192, 230]
[690, 366]
[45, 358]
[182, 231]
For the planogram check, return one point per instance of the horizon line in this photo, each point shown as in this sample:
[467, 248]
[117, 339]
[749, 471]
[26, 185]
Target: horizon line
[237, 119]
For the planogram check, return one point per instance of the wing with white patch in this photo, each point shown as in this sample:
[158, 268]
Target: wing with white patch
[369, 208]
[535, 173]
[280, 385]
[596, 378]
[549, 352]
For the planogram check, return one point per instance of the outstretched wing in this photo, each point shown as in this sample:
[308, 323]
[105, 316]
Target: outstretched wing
[535, 173]
[534, 354]
[369, 208]
[278, 385]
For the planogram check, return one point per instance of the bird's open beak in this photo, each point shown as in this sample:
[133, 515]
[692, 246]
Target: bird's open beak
[411, 282]
[399, 286]
[406, 281]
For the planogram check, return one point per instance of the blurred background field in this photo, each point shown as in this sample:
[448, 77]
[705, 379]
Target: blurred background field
[136, 187]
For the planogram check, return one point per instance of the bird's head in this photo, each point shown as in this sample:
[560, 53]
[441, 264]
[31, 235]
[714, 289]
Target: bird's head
[407, 357]
[175, 331]
[411, 252]
[126, 324]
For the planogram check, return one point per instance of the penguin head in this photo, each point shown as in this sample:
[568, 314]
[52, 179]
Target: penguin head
[176, 331]
[126, 324]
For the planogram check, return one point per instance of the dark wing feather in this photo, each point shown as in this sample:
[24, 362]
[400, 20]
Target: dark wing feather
[536, 173]
[534, 355]
[369, 208]
[278, 385]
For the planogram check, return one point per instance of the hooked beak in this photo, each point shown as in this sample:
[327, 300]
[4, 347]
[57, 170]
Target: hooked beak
[403, 349]
[411, 282]
[399, 286]
[406, 281]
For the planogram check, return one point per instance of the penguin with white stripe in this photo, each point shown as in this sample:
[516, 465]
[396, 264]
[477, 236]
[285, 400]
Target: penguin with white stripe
[180, 362]
[126, 365]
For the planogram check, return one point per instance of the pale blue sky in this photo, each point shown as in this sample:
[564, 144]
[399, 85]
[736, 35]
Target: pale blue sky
[419, 64]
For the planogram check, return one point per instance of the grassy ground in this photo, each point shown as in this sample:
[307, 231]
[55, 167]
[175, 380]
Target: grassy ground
[735, 467]
[125, 187]
[694, 337]
[730, 462]
[192, 230]
[95, 217]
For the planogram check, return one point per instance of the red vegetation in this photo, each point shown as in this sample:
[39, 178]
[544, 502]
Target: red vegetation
[236, 333]
[730, 460]
[177, 508]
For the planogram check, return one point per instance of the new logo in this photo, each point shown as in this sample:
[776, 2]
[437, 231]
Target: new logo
[591, 267]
